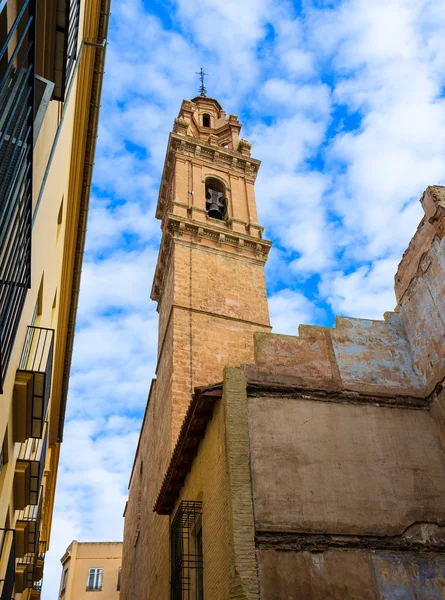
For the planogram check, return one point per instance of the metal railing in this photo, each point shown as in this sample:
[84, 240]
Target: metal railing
[7, 553]
[42, 550]
[33, 451]
[68, 32]
[17, 81]
[37, 358]
[73, 37]
[32, 516]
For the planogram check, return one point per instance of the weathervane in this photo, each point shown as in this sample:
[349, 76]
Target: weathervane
[202, 89]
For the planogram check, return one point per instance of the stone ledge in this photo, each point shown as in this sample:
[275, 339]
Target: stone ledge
[426, 537]
[177, 227]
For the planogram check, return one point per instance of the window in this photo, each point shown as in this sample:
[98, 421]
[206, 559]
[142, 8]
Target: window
[199, 571]
[216, 201]
[94, 582]
[187, 577]
[53, 308]
[4, 451]
[206, 120]
[59, 218]
[63, 581]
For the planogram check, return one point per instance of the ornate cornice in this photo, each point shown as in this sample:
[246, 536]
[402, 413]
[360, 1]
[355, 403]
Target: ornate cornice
[188, 147]
[209, 235]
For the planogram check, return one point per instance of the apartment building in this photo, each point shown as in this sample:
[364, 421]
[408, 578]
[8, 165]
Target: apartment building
[52, 55]
[91, 567]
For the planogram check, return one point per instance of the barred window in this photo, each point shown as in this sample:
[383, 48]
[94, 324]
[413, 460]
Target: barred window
[187, 575]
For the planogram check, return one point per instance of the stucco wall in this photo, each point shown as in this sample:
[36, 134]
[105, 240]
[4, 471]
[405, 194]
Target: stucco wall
[337, 468]
[351, 575]
[85, 556]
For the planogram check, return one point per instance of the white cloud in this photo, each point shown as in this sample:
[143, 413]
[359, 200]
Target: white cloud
[366, 292]
[290, 309]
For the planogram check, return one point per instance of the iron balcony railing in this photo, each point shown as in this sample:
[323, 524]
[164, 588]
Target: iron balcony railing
[17, 82]
[37, 362]
[33, 453]
[68, 37]
[42, 550]
[7, 563]
[31, 516]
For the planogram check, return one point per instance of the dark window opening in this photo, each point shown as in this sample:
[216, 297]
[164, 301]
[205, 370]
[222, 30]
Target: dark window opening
[216, 201]
[187, 581]
[206, 120]
[199, 572]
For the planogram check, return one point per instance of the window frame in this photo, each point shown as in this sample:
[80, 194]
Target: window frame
[97, 574]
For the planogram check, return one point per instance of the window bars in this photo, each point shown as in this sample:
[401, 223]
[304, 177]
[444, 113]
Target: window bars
[186, 582]
[33, 454]
[17, 82]
[67, 41]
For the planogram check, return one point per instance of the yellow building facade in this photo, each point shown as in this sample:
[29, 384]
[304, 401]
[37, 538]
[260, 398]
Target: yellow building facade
[91, 567]
[51, 69]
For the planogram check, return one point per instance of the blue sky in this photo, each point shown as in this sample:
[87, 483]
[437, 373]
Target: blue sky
[343, 102]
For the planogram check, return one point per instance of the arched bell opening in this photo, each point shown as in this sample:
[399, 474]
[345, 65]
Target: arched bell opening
[216, 200]
[206, 120]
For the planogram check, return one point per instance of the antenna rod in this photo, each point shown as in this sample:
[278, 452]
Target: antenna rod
[202, 89]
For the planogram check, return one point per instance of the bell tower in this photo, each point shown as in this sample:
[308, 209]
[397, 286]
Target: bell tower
[211, 294]
[209, 281]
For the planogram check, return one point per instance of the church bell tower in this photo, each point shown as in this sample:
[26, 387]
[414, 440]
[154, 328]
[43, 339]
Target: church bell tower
[211, 295]
[209, 281]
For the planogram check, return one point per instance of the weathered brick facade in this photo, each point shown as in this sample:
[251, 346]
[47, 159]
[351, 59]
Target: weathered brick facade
[210, 289]
[318, 458]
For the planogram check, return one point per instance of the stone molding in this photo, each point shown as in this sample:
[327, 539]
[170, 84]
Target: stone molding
[218, 156]
[201, 233]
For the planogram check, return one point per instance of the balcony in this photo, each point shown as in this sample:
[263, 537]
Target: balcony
[7, 563]
[27, 530]
[38, 571]
[67, 36]
[29, 470]
[33, 384]
[36, 591]
[29, 567]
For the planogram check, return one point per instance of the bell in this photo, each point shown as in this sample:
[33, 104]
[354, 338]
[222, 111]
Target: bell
[215, 211]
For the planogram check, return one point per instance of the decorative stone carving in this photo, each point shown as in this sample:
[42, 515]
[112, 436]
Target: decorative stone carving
[244, 147]
[181, 126]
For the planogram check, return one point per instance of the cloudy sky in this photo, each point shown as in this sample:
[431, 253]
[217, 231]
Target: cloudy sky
[343, 102]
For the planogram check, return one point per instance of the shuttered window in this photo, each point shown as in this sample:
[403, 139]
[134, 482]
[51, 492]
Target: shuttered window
[24, 99]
